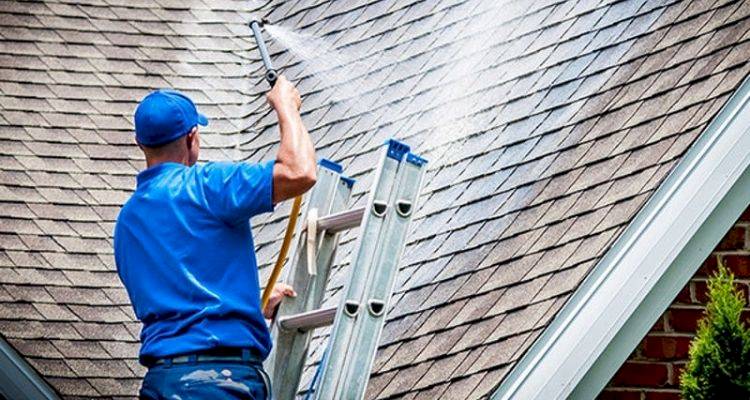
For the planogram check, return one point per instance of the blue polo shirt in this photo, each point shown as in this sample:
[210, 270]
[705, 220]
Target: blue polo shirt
[185, 253]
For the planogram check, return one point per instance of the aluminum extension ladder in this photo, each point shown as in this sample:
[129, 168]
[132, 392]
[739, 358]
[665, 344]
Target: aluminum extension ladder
[358, 320]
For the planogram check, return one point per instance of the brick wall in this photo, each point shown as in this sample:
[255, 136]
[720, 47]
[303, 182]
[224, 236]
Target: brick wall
[652, 372]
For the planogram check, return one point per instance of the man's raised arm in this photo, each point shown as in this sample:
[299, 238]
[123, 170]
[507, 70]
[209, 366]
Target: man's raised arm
[295, 167]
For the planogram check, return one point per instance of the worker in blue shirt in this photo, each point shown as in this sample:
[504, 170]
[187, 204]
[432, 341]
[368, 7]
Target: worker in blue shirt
[184, 249]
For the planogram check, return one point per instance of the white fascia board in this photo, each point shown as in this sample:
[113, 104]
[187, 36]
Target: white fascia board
[640, 275]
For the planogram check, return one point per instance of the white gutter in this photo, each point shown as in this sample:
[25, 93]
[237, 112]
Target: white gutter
[640, 275]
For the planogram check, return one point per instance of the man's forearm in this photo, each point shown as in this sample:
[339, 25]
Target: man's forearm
[294, 171]
[295, 160]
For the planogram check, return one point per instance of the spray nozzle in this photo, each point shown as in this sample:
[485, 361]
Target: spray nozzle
[260, 21]
[271, 74]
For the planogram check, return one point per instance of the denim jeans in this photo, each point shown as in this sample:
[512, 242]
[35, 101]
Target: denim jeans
[206, 380]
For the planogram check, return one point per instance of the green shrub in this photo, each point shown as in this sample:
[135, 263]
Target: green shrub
[719, 365]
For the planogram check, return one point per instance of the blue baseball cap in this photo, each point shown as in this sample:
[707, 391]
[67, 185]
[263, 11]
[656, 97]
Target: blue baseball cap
[165, 115]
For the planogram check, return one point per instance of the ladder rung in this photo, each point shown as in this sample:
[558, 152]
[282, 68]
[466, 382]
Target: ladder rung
[308, 320]
[341, 221]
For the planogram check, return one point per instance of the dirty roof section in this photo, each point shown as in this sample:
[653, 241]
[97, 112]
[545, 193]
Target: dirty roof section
[548, 125]
[70, 76]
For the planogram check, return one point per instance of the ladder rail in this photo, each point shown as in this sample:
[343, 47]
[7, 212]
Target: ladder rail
[352, 356]
[350, 305]
[287, 359]
[371, 323]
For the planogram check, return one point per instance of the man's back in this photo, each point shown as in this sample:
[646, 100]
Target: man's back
[184, 251]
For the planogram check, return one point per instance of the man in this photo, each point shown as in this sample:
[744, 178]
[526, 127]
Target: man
[184, 250]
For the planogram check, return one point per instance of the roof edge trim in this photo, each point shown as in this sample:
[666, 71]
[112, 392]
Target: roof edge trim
[18, 380]
[640, 275]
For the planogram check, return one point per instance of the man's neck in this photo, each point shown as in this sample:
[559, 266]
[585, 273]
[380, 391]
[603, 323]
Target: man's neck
[153, 161]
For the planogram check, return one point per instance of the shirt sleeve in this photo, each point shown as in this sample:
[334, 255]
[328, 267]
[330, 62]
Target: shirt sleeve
[237, 191]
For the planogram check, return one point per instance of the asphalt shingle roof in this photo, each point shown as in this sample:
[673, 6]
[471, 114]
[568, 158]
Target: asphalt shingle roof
[548, 125]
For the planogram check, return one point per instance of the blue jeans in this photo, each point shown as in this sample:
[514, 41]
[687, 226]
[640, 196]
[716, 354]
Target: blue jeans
[206, 380]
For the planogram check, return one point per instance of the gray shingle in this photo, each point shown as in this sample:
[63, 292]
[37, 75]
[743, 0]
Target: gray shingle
[36, 294]
[99, 368]
[77, 348]
[73, 386]
[39, 330]
[116, 387]
[52, 368]
[407, 352]
[100, 313]
[440, 343]
[97, 331]
[404, 379]
[462, 387]
[121, 349]
[36, 348]
[440, 370]
[55, 312]
[500, 352]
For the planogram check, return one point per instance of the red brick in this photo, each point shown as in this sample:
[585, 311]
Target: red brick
[745, 215]
[614, 394]
[666, 347]
[684, 295]
[658, 325]
[643, 374]
[677, 370]
[709, 267]
[685, 319]
[701, 291]
[662, 395]
[738, 264]
[733, 240]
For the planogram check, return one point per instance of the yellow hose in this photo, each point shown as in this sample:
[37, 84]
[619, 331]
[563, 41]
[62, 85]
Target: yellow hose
[283, 252]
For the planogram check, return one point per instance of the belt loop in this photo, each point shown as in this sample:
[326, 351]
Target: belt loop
[168, 362]
[245, 355]
[193, 359]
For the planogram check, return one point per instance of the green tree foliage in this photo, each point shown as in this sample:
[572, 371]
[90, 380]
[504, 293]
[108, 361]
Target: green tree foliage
[719, 365]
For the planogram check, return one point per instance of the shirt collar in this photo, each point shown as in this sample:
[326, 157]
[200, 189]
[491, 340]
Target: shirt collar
[150, 172]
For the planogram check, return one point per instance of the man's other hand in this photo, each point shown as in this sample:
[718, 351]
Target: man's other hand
[284, 97]
[280, 290]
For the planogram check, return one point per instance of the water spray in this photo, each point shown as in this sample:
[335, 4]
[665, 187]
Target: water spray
[271, 76]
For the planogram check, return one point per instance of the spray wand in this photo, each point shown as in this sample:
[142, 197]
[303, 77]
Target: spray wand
[271, 76]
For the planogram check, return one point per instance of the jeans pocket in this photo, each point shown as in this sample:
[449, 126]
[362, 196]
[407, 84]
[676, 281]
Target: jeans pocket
[207, 381]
